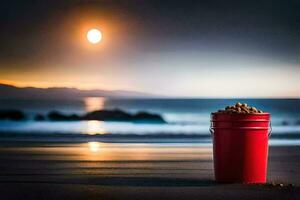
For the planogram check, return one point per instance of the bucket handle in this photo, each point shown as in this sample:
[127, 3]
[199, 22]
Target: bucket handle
[211, 130]
[270, 130]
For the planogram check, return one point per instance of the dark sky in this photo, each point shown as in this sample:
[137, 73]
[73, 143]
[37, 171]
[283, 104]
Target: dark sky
[38, 35]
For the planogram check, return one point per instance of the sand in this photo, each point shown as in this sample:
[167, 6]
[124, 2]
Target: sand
[133, 171]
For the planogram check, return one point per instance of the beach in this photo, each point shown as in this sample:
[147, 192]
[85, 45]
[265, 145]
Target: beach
[98, 170]
[149, 100]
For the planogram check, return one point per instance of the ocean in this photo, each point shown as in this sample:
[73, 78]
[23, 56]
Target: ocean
[188, 120]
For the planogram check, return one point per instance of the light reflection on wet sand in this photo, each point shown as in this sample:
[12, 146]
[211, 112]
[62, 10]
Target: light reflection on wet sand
[94, 146]
[98, 151]
[108, 159]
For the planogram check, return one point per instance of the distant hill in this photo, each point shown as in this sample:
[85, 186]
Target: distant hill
[12, 92]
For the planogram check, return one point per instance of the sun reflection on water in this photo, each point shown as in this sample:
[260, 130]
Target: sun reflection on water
[94, 103]
[95, 127]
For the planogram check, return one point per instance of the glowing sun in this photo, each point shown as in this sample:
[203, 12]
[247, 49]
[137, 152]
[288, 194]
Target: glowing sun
[94, 36]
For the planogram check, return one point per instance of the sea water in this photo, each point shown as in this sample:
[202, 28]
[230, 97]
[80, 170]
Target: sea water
[186, 118]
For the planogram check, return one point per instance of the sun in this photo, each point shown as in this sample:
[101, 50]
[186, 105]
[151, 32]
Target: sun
[94, 36]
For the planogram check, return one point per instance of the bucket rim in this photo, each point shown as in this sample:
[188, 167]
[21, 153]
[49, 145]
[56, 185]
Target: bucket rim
[218, 113]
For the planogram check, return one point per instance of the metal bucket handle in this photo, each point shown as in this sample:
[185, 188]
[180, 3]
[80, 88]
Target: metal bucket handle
[270, 129]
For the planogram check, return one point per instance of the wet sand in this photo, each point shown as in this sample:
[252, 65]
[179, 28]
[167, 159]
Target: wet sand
[132, 171]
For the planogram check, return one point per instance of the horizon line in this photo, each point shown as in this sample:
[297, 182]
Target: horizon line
[157, 95]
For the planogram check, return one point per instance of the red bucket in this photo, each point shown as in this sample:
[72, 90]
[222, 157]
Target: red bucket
[240, 147]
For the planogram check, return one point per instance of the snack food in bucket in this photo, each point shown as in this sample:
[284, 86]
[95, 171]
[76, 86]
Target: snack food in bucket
[241, 108]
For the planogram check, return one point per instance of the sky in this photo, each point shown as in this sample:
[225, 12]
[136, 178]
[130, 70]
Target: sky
[173, 48]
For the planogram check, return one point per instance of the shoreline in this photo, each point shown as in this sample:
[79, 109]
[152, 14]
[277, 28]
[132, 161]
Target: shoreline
[160, 138]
